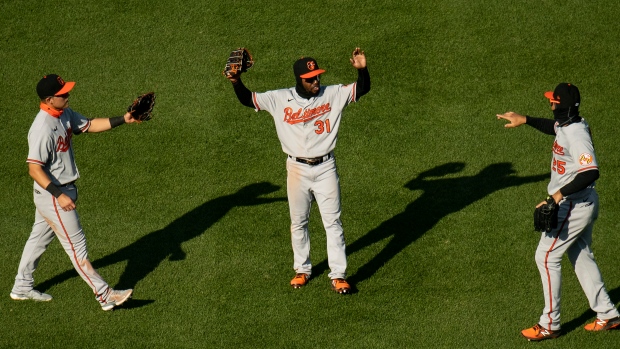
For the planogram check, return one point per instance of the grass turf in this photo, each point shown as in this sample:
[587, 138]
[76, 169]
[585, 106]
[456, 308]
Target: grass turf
[190, 208]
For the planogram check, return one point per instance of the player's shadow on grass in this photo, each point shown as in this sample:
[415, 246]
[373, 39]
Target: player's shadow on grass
[144, 255]
[440, 197]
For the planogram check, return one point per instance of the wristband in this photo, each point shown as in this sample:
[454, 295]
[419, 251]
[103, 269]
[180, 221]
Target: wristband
[117, 121]
[54, 190]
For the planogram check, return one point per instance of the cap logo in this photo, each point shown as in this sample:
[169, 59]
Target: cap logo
[60, 81]
[311, 65]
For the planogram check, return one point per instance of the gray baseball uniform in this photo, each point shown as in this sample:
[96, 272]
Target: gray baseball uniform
[573, 153]
[308, 128]
[307, 119]
[50, 146]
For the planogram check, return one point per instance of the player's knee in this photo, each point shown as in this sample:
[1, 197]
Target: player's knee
[299, 218]
[332, 221]
[299, 226]
[539, 258]
[548, 260]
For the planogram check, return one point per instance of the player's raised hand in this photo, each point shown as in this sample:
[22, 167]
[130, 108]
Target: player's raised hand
[515, 120]
[358, 59]
[233, 77]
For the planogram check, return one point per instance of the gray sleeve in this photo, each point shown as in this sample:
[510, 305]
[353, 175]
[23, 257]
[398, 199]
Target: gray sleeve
[79, 123]
[39, 148]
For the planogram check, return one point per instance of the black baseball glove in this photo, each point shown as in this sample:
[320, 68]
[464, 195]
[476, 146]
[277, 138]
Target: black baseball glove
[239, 61]
[546, 216]
[142, 107]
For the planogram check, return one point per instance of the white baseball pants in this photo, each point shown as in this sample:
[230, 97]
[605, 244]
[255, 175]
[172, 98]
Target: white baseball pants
[51, 221]
[573, 236]
[321, 182]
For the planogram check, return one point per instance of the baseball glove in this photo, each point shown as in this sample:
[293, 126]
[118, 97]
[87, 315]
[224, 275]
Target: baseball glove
[239, 61]
[142, 107]
[546, 216]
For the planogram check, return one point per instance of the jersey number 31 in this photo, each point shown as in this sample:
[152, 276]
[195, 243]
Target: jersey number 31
[322, 126]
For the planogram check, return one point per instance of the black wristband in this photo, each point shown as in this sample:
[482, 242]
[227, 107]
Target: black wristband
[53, 189]
[117, 121]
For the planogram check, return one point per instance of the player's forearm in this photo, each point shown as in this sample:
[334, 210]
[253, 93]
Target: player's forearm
[104, 124]
[99, 125]
[243, 94]
[581, 181]
[543, 125]
[38, 174]
[363, 82]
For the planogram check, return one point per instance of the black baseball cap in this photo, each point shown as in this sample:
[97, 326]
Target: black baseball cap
[565, 96]
[306, 67]
[53, 85]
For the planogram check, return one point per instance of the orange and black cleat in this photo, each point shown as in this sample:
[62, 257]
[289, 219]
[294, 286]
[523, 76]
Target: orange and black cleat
[341, 286]
[300, 280]
[538, 333]
[602, 325]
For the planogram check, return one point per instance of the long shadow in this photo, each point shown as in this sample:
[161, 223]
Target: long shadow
[144, 255]
[440, 197]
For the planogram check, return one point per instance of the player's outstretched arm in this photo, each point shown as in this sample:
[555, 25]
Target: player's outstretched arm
[104, 124]
[514, 119]
[358, 60]
[546, 126]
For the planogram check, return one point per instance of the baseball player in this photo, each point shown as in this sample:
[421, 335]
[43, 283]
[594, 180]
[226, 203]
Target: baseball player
[574, 170]
[52, 166]
[307, 119]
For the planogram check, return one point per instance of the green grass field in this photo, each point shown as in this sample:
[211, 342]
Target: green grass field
[190, 208]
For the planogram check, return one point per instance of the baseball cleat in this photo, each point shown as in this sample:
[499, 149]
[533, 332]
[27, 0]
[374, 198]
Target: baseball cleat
[32, 294]
[116, 298]
[341, 286]
[538, 333]
[602, 325]
[300, 279]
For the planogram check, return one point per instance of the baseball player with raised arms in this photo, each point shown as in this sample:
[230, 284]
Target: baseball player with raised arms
[52, 166]
[307, 119]
[574, 170]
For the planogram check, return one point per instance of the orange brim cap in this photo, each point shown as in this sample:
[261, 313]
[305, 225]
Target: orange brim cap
[66, 88]
[312, 73]
[550, 97]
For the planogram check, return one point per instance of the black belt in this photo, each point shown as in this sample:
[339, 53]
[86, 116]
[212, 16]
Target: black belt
[312, 161]
[67, 184]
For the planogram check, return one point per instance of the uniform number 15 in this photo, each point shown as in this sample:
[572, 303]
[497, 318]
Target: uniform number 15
[322, 126]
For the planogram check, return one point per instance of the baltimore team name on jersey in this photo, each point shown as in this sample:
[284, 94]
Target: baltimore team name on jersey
[64, 143]
[291, 117]
[558, 149]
